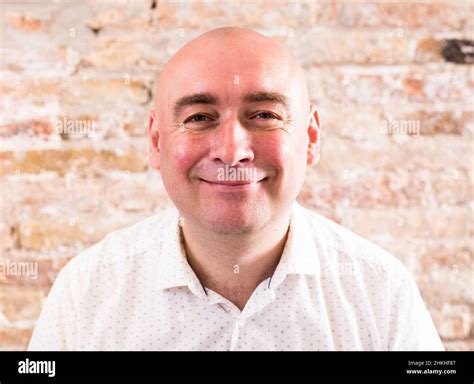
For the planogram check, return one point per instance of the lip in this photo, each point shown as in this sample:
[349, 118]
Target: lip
[231, 185]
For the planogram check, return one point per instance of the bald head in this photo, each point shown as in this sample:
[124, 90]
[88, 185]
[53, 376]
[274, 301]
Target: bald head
[233, 53]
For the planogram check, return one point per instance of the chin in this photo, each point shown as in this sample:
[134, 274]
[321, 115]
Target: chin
[231, 227]
[230, 219]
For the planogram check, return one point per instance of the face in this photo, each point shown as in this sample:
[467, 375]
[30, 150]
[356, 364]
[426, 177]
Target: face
[232, 137]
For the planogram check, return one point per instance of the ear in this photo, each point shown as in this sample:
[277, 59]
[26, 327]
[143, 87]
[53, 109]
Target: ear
[154, 141]
[314, 135]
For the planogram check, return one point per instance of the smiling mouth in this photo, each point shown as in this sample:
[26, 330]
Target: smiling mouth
[230, 184]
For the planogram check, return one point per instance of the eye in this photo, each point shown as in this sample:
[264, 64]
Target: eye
[266, 115]
[196, 118]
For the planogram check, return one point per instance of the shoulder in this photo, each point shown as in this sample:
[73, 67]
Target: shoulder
[120, 248]
[340, 248]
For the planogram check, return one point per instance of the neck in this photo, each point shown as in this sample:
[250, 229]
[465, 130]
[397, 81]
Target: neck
[233, 265]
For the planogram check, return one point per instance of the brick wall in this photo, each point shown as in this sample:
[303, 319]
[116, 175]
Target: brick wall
[393, 82]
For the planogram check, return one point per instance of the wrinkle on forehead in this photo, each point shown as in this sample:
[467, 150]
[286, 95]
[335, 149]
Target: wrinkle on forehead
[234, 50]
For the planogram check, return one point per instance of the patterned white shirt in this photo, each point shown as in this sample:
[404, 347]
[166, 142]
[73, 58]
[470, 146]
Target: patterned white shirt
[332, 290]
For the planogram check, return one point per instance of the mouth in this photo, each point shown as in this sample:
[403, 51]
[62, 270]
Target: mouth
[232, 185]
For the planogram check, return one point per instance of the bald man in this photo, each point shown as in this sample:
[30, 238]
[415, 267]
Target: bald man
[236, 264]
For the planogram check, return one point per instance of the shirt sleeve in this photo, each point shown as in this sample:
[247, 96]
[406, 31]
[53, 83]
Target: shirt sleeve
[56, 327]
[412, 328]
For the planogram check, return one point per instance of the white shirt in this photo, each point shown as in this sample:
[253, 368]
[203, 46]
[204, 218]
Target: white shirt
[332, 290]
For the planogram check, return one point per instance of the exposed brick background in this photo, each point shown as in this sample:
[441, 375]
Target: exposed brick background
[367, 63]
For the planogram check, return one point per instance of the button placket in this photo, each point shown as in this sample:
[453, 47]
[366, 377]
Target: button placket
[239, 325]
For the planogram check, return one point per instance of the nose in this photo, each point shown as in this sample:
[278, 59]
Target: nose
[231, 143]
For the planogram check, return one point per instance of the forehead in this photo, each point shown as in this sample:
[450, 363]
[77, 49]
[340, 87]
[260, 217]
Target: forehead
[230, 79]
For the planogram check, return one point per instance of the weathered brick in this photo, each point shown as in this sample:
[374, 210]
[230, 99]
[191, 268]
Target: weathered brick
[35, 127]
[459, 345]
[260, 14]
[29, 195]
[428, 49]
[7, 236]
[350, 120]
[372, 189]
[49, 232]
[446, 284]
[452, 187]
[25, 22]
[120, 15]
[453, 321]
[443, 153]
[408, 222]
[20, 305]
[343, 47]
[402, 188]
[454, 255]
[34, 268]
[438, 16]
[38, 273]
[399, 85]
[107, 52]
[37, 90]
[14, 338]
[72, 158]
[106, 90]
[433, 122]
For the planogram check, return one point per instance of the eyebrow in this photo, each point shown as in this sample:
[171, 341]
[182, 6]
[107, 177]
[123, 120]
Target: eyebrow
[195, 98]
[208, 98]
[274, 97]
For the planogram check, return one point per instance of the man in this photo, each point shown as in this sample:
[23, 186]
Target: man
[239, 265]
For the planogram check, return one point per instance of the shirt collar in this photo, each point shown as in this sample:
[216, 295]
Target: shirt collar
[172, 266]
[300, 254]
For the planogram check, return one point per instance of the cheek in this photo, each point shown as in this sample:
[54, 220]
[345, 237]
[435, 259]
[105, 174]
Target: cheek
[183, 157]
[182, 154]
[287, 154]
[279, 150]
